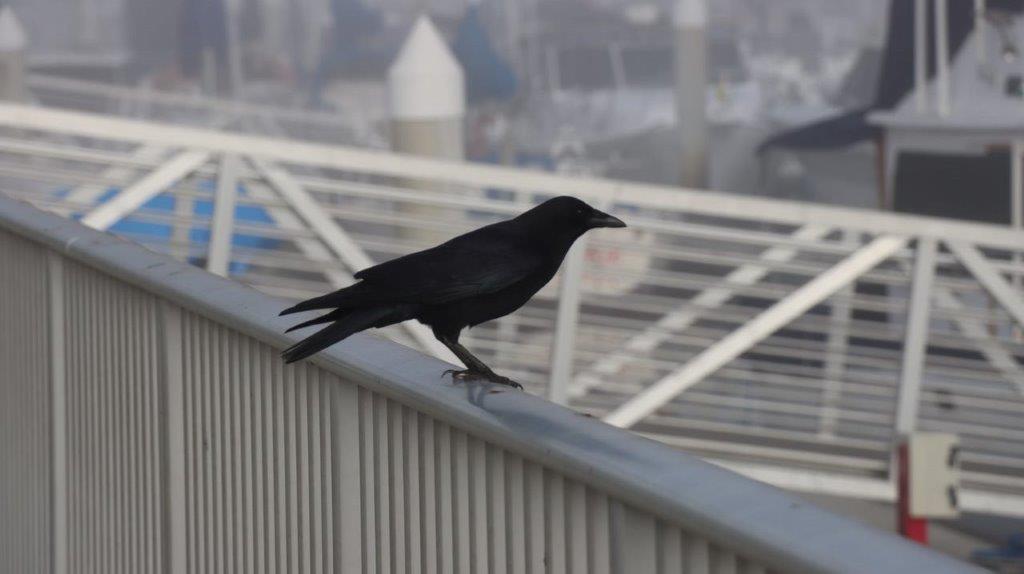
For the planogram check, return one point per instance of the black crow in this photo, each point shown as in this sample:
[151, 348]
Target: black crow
[471, 279]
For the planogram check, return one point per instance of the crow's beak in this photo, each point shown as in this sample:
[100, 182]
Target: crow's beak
[601, 219]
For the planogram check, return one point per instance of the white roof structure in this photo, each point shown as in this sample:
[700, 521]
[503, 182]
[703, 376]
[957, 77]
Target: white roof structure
[978, 88]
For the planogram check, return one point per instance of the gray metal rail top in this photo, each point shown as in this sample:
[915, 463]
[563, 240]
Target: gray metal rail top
[768, 524]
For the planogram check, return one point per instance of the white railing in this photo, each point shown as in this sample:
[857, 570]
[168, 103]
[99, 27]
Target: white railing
[150, 426]
[336, 127]
[789, 341]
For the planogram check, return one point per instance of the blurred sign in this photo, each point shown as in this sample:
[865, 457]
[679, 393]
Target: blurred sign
[934, 481]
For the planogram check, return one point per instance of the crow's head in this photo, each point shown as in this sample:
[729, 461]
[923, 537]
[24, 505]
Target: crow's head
[567, 212]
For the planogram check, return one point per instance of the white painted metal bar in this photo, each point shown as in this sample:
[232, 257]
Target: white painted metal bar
[130, 199]
[58, 412]
[173, 437]
[835, 356]
[350, 253]
[566, 324]
[675, 321]
[153, 97]
[916, 341]
[488, 176]
[998, 287]
[754, 331]
[994, 352]
[222, 228]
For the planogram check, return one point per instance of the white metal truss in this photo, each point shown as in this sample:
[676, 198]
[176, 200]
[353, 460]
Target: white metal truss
[222, 229]
[746, 330]
[741, 340]
[131, 198]
[916, 340]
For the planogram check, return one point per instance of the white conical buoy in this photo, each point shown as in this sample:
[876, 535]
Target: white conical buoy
[425, 82]
[691, 18]
[12, 56]
[427, 100]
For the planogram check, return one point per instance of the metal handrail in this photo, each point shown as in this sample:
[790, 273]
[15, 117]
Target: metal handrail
[778, 531]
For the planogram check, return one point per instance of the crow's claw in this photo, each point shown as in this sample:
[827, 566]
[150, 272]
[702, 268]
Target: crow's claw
[469, 374]
[504, 381]
[458, 375]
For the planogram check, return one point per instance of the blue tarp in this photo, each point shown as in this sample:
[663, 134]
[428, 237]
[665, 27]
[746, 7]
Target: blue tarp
[160, 233]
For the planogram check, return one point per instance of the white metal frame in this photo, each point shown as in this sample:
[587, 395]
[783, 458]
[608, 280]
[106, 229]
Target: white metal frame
[792, 256]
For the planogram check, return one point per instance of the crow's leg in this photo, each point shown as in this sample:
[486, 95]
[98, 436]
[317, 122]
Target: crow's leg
[475, 365]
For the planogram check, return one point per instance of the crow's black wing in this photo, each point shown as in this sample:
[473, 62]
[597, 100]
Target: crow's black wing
[470, 265]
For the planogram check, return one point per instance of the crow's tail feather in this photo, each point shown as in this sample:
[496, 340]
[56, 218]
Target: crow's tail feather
[332, 316]
[346, 325]
[347, 297]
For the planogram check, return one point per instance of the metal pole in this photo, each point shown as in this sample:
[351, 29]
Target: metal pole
[691, 91]
[836, 348]
[222, 227]
[916, 340]
[920, 55]
[942, 56]
[1017, 207]
[979, 30]
[566, 324]
[234, 52]
[12, 56]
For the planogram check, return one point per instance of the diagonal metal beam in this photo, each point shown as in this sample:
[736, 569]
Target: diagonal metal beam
[134, 196]
[90, 192]
[681, 318]
[222, 227]
[350, 253]
[990, 279]
[756, 330]
[313, 249]
[916, 340]
[989, 346]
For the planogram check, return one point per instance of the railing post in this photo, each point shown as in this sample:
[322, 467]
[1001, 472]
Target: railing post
[566, 323]
[916, 340]
[634, 538]
[172, 413]
[347, 511]
[835, 357]
[222, 228]
[58, 413]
